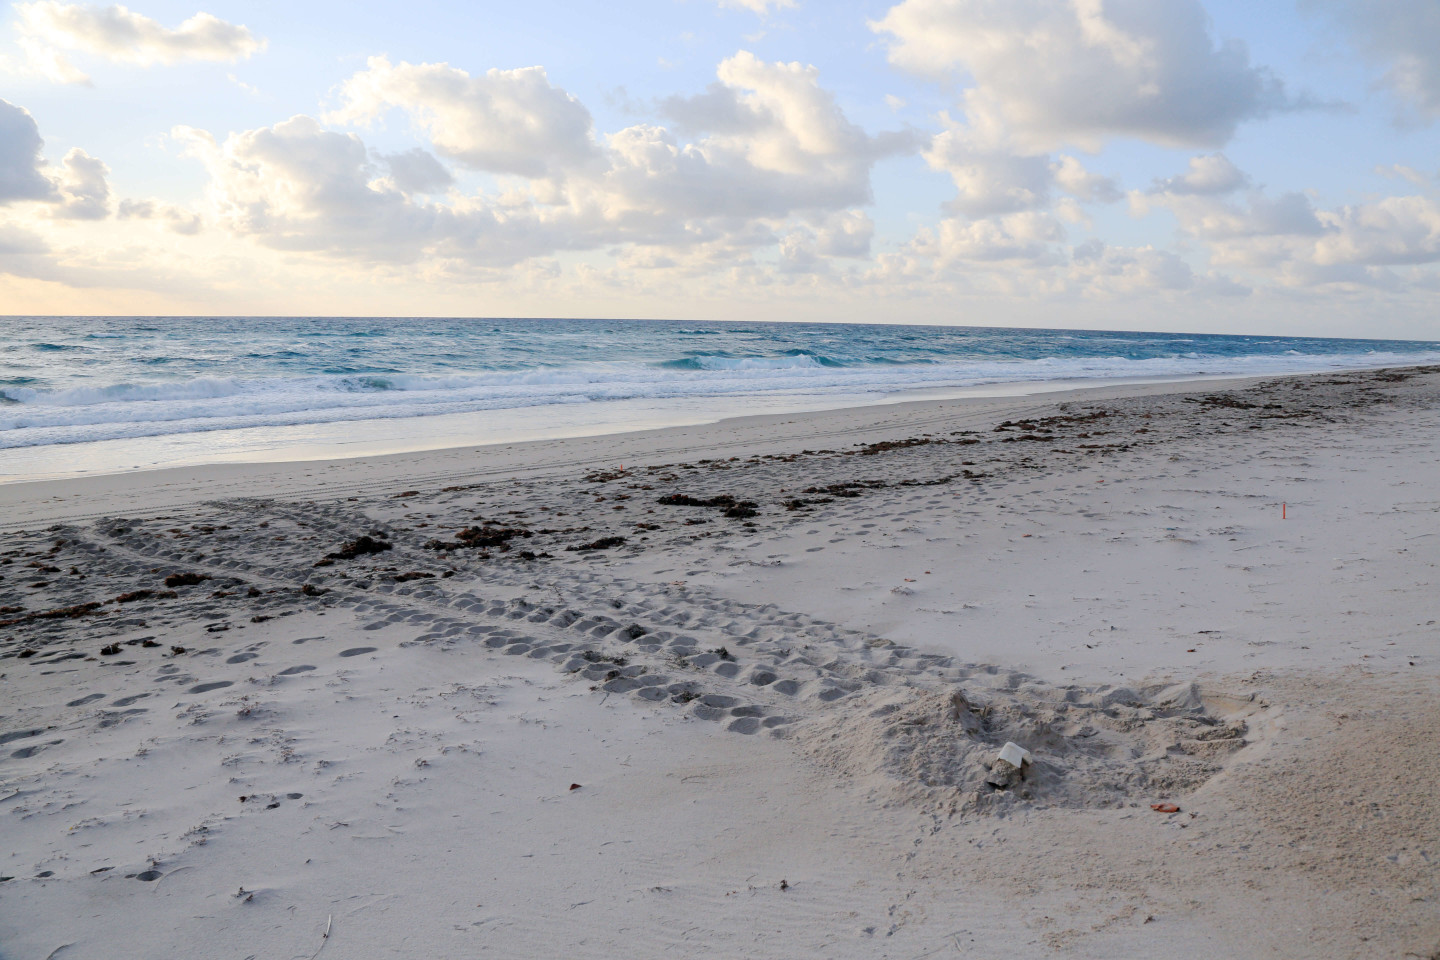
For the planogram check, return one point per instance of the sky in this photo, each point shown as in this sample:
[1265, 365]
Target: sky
[1225, 167]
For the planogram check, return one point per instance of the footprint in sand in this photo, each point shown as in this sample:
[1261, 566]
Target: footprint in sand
[126, 701]
[30, 751]
[19, 735]
[242, 657]
[291, 671]
[356, 651]
[84, 700]
[207, 687]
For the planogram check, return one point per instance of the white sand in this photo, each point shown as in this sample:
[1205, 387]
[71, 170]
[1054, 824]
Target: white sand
[1120, 596]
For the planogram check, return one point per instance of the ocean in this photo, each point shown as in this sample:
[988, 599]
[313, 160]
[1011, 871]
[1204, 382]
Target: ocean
[85, 394]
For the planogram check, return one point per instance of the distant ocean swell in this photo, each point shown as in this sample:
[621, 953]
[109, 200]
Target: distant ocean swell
[73, 408]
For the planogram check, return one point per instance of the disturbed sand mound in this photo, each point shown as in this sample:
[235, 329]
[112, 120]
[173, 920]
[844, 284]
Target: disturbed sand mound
[1090, 747]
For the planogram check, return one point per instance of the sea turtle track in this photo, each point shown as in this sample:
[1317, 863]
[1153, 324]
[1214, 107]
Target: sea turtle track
[848, 697]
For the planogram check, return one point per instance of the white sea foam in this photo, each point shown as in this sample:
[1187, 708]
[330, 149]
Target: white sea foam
[118, 411]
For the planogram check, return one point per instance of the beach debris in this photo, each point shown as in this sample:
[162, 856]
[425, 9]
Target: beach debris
[413, 575]
[59, 613]
[735, 509]
[574, 786]
[604, 543]
[185, 579]
[1165, 808]
[110, 649]
[177, 651]
[784, 885]
[359, 547]
[838, 489]
[136, 595]
[1009, 766]
[324, 937]
[310, 590]
[685, 500]
[481, 537]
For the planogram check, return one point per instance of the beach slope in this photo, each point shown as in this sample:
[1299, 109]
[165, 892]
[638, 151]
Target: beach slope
[738, 689]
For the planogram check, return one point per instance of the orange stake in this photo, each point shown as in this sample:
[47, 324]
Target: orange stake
[1282, 511]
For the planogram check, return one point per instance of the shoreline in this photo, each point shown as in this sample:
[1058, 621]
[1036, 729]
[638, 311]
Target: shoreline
[359, 474]
[744, 695]
[324, 442]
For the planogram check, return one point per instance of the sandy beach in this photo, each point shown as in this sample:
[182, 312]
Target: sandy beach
[737, 690]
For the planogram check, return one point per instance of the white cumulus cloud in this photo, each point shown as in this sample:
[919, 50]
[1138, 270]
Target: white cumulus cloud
[1207, 176]
[1052, 72]
[504, 121]
[989, 180]
[1072, 177]
[768, 159]
[21, 166]
[1396, 231]
[85, 187]
[48, 28]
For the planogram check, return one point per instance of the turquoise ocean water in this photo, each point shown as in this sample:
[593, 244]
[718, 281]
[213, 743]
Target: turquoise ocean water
[85, 381]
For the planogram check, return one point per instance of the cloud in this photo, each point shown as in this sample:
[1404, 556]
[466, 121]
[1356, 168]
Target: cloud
[83, 184]
[1403, 36]
[1130, 270]
[417, 171]
[1197, 198]
[1396, 231]
[297, 186]
[769, 156]
[989, 181]
[506, 121]
[1393, 170]
[18, 242]
[768, 137]
[846, 234]
[77, 190]
[1208, 176]
[1027, 236]
[21, 166]
[1287, 234]
[1050, 72]
[762, 7]
[120, 35]
[178, 219]
[1072, 177]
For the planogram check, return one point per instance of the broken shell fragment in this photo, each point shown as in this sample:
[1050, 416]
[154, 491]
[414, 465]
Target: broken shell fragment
[1014, 754]
[1009, 767]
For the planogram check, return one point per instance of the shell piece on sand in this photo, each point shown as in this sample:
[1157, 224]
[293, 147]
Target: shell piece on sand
[1014, 754]
[1008, 768]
